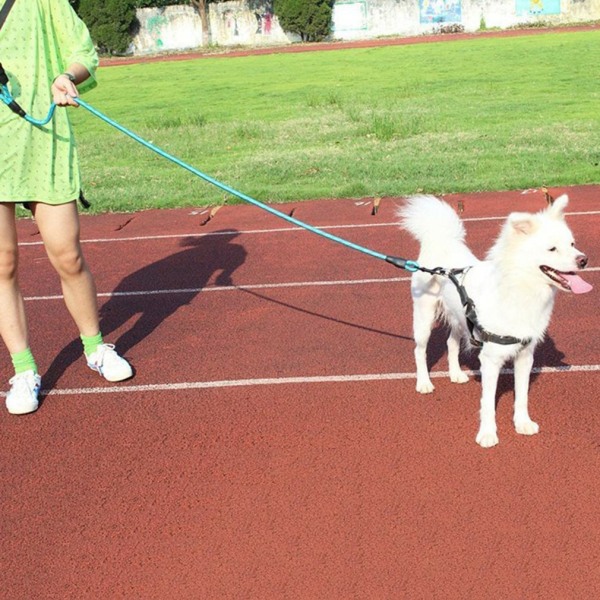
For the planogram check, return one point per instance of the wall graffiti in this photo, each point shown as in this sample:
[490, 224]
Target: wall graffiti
[155, 25]
[440, 11]
[350, 16]
[243, 22]
[231, 23]
[537, 7]
[264, 22]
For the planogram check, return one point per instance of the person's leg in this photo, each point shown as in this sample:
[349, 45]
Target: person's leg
[25, 385]
[59, 228]
[13, 323]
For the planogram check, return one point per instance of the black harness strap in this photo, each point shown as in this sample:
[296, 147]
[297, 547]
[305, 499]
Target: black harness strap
[478, 334]
[475, 327]
[5, 10]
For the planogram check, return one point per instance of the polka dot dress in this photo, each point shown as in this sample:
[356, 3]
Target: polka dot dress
[38, 41]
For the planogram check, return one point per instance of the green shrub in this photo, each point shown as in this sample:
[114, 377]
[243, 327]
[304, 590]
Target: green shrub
[111, 23]
[310, 19]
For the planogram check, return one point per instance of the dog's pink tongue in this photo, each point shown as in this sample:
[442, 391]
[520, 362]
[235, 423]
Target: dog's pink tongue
[578, 285]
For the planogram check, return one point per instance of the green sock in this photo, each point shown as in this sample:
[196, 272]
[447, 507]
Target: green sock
[23, 361]
[91, 342]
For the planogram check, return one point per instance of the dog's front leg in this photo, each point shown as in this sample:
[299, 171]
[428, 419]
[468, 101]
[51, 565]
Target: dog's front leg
[523, 363]
[457, 375]
[490, 370]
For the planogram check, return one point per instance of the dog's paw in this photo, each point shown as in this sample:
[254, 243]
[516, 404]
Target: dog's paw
[527, 427]
[487, 439]
[425, 386]
[459, 377]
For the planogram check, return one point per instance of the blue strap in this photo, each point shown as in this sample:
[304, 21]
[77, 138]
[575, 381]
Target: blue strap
[7, 98]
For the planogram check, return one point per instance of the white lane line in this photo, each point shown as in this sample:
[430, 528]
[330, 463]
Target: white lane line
[226, 232]
[230, 383]
[237, 232]
[233, 288]
[251, 286]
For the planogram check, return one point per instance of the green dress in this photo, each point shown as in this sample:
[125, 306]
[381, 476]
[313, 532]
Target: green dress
[38, 41]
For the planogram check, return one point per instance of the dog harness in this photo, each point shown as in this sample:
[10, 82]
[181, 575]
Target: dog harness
[478, 334]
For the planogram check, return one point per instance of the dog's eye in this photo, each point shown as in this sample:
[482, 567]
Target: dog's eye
[553, 249]
[572, 244]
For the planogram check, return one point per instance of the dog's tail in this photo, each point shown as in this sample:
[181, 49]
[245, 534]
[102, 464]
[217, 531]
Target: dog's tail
[428, 218]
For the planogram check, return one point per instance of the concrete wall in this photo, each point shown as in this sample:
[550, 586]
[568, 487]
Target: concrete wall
[240, 23]
[363, 19]
[235, 23]
[169, 28]
[252, 22]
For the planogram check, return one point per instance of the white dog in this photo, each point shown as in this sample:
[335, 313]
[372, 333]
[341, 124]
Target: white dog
[513, 293]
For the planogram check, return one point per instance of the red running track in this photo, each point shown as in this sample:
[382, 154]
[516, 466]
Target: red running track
[271, 445]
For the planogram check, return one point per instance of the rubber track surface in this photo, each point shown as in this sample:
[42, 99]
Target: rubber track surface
[271, 444]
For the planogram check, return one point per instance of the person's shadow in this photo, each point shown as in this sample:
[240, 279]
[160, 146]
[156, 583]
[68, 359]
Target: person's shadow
[155, 292]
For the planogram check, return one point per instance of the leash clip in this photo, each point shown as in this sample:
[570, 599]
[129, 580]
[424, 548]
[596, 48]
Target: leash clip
[403, 263]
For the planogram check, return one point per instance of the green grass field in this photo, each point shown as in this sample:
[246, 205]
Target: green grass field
[480, 114]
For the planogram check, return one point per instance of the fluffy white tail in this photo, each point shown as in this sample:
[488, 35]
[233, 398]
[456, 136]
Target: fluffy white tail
[428, 219]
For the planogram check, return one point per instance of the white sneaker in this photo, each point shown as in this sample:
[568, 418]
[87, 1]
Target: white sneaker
[22, 398]
[109, 364]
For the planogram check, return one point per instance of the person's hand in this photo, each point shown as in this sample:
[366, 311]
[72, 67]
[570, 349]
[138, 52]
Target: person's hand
[64, 90]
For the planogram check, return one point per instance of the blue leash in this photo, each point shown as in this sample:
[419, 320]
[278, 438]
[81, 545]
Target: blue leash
[401, 263]
[409, 265]
[6, 97]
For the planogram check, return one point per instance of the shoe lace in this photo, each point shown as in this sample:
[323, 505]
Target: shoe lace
[23, 382]
[102, 351]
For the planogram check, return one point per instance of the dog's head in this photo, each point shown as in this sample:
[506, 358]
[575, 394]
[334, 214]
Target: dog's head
[543, 244]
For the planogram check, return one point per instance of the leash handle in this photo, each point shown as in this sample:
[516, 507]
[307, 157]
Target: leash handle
[8, 99]
[45, 120]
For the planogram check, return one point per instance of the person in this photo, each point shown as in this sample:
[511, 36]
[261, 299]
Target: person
[47, 53]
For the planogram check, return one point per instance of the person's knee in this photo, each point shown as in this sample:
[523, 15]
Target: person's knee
[8, 264]
[69, 263]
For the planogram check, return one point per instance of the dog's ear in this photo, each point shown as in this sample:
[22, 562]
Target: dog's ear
[557, 208]
[522, 223]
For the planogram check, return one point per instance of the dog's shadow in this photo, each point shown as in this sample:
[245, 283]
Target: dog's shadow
[546, 354]
[155, 292]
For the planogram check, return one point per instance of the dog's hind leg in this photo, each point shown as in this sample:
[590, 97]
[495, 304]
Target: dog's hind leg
[523, 363]
[457, 375]
[424, 313]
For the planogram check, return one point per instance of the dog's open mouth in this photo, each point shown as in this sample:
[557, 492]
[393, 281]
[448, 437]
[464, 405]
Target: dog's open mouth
[570, 282]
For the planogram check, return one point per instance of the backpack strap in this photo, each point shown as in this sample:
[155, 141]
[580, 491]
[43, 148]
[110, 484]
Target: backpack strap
[5, 10]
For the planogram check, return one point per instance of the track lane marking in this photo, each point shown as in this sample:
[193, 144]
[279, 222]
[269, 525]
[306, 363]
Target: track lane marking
[274, 381]
[233, 288]
[250, 286]
[238, 232]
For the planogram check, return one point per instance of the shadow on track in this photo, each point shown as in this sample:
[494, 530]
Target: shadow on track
[155, 292]
[324, 316]
[546, 355]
